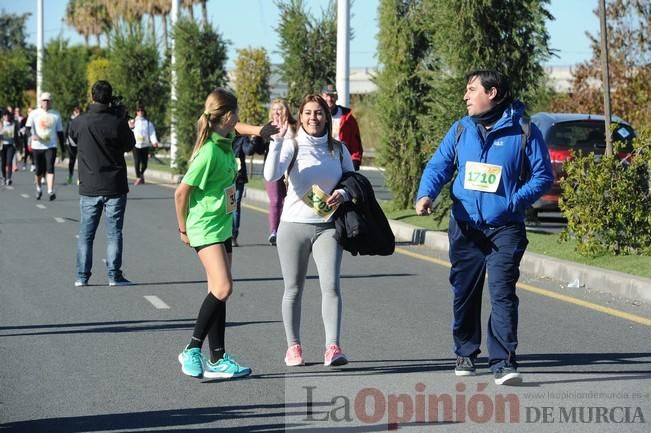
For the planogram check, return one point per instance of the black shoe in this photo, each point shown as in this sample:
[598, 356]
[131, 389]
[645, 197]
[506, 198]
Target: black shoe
[53, 196]
[507, 375]
[9, 182]
[39, 194]
[272, 239]
[119, 281]
[465, 366]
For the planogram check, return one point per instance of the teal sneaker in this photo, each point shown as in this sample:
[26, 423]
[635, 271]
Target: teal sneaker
[191, 362]
[225, 368]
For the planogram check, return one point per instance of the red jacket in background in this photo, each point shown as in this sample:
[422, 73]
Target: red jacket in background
[349, 134]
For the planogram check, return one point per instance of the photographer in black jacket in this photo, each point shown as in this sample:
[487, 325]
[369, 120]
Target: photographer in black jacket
[103, 136]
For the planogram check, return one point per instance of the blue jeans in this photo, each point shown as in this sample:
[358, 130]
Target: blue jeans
[91, 212]
[473, 253]
[239, 193]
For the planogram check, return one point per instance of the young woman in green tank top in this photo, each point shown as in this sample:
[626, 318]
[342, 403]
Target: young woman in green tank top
[204, 201]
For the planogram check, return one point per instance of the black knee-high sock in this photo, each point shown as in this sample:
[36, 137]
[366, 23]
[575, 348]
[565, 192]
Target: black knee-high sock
[208, 314]
[216, 334]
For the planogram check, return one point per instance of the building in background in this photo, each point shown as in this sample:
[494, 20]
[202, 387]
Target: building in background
[559, 78]
[360, 81]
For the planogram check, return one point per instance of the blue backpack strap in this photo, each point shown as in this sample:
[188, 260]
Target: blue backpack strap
[457, 138]
[525, 125]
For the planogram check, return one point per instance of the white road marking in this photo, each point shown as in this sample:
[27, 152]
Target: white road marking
[59, 219]
[41, 206]
[24, 196]
[157, 302]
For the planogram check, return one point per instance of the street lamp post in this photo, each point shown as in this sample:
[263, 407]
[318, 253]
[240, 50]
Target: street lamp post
[39, 48]
[174, 18]
[343, 51]
[605, 75]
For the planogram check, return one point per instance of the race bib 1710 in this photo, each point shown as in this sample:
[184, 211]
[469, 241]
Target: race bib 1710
[315, 198]
[482, 177]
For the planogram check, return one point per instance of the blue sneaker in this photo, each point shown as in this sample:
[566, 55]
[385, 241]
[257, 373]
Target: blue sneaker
[191, 362]
[225, 368]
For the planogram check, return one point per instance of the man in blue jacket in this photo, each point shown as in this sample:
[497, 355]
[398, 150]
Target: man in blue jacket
[503, 167]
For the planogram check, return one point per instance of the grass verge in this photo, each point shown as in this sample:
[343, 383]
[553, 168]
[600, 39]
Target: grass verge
[547, 244]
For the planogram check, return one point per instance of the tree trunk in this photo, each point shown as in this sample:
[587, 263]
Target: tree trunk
[191, 12]
[152, 21]
[98, 41]
[86, 40]
[164, 18]
[204, 12]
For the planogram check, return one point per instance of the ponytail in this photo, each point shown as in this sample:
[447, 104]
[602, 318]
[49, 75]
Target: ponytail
[203, 129]
[218, 103]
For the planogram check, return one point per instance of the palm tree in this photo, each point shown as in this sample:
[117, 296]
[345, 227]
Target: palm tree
[87, 17]
[160, 8]
[98, 19]
[127, 10]
[190, 5]
[75, 18]
[204, 11]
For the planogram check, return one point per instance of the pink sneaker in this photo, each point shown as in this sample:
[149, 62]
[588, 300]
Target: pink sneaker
[334, 356]
[294, 356]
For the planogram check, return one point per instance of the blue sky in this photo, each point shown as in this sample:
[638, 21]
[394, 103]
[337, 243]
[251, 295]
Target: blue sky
[251, 23]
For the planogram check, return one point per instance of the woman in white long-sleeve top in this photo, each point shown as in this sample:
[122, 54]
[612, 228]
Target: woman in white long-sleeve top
[315, 162]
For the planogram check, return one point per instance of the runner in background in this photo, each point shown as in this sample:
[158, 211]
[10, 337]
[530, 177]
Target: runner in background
[145, 133]
[71, 145]
[44, 130]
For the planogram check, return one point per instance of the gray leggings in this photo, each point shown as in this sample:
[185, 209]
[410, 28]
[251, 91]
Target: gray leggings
[295, 243]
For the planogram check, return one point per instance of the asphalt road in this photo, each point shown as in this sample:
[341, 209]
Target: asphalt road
[101, 359]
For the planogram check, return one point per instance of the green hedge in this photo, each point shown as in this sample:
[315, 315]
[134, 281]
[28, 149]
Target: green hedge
[607, 202]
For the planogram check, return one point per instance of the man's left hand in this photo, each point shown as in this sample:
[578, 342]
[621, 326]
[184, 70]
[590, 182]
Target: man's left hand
[424, 206]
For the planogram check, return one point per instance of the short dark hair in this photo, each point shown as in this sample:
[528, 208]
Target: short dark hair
[141, 107]
[490, 78]
[102, 92]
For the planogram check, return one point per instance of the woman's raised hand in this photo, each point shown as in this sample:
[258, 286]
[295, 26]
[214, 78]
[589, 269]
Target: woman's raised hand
[282, 129]
[268, 130]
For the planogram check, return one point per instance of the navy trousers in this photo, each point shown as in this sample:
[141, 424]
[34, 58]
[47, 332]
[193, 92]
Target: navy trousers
[474, 252]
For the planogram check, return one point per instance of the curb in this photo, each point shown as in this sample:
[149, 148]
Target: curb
[580, 275]
[156, 175]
